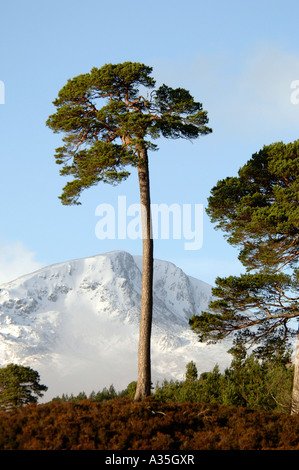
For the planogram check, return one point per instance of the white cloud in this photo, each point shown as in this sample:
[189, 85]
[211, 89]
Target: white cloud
[260, 94]
[246, 94]
[16, 260]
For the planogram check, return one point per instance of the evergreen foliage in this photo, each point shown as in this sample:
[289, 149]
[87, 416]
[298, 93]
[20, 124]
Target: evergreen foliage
[257, 382]
[19, 386]
[258, 211]
[191, 372]
[108, 114]
[104, 395]
[251, 382]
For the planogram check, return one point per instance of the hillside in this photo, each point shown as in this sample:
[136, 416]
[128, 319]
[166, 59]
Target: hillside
[122, 425]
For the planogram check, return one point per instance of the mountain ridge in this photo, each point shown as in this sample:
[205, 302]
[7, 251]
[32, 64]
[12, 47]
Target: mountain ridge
[77, 323]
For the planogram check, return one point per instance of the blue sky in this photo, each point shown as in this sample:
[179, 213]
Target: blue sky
[237, 58]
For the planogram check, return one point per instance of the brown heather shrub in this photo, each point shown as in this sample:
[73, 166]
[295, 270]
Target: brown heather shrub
[150, 425]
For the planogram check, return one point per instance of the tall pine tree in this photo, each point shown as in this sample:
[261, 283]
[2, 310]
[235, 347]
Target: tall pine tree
[109, 119]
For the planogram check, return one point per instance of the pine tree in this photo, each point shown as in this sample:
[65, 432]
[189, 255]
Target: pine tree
[108, 126]
[19, 386]
[191, 372]
[259, 213]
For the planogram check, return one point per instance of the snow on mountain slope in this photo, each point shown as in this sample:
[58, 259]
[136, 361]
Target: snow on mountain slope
[77, 323]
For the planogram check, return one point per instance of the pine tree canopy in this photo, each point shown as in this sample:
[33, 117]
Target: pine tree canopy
[259, 209]
[107, 114]
[259, 213]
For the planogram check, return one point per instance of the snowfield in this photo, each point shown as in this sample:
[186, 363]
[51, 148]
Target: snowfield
[77, 323]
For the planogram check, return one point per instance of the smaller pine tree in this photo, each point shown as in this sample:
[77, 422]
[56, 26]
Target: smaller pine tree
[191, 372]
[19, 386]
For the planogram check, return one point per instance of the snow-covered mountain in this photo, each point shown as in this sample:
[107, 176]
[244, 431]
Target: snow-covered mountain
[77, 323]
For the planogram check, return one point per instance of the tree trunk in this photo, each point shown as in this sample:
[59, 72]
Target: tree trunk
[295, 394]
[143, 388]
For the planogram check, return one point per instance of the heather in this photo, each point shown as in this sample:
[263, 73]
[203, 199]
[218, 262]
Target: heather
[122, 424]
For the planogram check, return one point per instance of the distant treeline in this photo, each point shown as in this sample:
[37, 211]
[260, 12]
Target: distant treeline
[251, 382]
